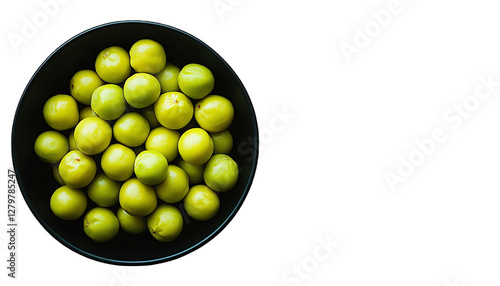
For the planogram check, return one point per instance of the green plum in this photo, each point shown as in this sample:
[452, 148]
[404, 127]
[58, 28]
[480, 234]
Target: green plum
[150, 167]
[117, 162]
[51, 146]
[103, 190]
[101, 224]
[82, 85]
[194, 172]
[147, 56]
[71, 141]
[223, 142]
[141, 90]
[195, 146]
[86, 112]
[164, 141]
[173, 110]
[168, 78]
[149, 114]
[137, 198]
[201, 203]
[131, 129]
[61, 112]
[57, 176]
[68, 203]
[131, 224]
[108, 102]
[113, 65]
[214, 113]
[77, 170]
[165, 223]
[196, 81]
[221, 173]
[175, 186]
[92, 135]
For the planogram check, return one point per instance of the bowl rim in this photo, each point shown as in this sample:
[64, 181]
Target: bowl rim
[145, 261]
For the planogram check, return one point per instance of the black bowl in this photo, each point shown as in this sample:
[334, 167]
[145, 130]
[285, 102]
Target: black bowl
[35, 178]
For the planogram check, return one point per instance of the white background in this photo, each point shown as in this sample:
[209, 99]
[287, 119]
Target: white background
[321, 170]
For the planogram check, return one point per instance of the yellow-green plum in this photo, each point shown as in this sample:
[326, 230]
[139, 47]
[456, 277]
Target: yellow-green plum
[82, 85]
[201, 203]
[131, 224]
[137, 198]
[57, 176]
[165, 223]
[195, 146]
[108, 101]
[168, 78]
[164, 141]
[221, 173]
[103, 190]
[101, 224]
[131, 129]
[175, 186]
[173, 110]
[77, 170]
[196, 81]
[71, 141]
[141, 90]
[61, 112]
[194, 172]
[92, 135]
[214, 113]
[67, 203]
[149, 114]
[117, 162]
[150, 167]
[147, 56]
[113, 65]
[86, 112]
[51, 146]
[223, 142]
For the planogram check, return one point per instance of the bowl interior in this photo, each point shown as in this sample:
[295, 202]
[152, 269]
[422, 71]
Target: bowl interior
[35, 177]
